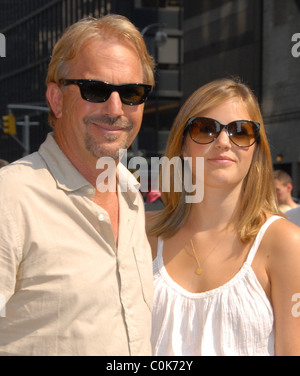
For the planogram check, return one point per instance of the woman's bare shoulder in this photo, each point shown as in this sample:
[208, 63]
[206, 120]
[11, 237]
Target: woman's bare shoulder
[282, 240]
[283, 250]
[283, 232]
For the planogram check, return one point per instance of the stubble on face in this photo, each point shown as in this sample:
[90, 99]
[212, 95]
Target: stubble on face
[112, 146]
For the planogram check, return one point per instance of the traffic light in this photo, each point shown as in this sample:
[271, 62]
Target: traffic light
[9, 124]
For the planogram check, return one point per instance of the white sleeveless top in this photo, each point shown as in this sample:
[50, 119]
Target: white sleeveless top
[234, 319]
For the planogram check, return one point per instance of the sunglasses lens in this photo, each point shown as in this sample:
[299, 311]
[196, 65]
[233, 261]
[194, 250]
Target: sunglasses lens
[204, 131]
[133, 94]
[95, 92]
[243, 133]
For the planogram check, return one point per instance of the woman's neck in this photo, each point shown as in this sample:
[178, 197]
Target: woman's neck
[217, 209]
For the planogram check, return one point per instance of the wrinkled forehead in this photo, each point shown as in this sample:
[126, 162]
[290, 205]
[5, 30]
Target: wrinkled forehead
[98, 57]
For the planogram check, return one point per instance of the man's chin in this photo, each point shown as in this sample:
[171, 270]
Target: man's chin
[107, 149]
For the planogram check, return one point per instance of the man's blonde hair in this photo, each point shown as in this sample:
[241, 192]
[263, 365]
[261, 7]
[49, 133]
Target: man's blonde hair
[283, 177]
[258, 195]
[110, 27]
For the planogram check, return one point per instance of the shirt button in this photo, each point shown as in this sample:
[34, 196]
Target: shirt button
[101, 217]
[90, 191]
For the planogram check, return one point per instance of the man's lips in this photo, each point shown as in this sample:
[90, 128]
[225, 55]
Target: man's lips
[109, 124]
[109, 128]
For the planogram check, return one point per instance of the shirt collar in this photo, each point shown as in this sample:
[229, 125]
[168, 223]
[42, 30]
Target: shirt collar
[70, 179]
[127, 183]
[64, 172]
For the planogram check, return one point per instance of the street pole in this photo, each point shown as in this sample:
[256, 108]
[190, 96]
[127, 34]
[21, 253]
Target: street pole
[160, 39]
[26, 124]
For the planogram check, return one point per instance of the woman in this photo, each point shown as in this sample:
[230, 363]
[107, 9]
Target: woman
[225, 269]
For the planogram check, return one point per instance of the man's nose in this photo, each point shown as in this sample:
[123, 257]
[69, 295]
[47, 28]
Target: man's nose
[113, 106]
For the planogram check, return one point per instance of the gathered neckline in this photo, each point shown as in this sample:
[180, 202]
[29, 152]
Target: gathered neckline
[246, 268]
[199, 295]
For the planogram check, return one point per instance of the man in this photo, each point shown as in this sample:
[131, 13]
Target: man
[3, 163]
[284, 187]
[75, 265]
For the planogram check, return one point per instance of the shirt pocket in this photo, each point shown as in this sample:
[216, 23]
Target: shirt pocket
[145, 271]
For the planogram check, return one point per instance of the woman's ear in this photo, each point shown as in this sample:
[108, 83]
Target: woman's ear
[55, 99]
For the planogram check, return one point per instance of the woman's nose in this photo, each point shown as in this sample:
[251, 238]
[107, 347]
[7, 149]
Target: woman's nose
[223, 140]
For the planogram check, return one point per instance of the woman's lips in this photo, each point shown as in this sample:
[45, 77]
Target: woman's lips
[221, 160]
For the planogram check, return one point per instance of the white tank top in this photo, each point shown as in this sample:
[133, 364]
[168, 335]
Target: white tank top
[234, 319]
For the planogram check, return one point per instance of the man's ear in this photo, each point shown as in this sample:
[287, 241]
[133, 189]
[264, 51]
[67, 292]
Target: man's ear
[55, 99]
[289, 187]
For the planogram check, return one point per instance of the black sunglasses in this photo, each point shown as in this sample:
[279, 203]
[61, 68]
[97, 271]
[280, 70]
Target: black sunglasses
[99, 91]
[243, 133]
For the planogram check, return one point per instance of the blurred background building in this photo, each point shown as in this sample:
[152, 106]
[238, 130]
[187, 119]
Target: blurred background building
[193, 42]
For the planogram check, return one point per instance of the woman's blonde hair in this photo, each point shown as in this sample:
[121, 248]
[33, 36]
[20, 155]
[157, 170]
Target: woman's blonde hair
[108, 28]
[258, 196]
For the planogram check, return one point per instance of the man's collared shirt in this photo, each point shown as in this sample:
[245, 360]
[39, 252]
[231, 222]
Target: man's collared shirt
[68, 289]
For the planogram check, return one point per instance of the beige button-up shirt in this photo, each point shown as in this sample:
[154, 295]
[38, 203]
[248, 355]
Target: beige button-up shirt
[67, 288]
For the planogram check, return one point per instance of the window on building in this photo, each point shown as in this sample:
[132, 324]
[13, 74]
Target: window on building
[156, 3]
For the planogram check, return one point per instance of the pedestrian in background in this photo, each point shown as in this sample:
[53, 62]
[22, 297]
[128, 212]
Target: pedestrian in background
[225, 269]
[3, 163]
[75, 263]
[284, 188]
